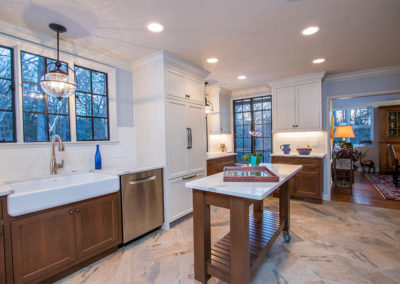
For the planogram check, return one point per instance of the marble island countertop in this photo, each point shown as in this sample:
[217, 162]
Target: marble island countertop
[251, 190]
[295, 154]
[216, 155]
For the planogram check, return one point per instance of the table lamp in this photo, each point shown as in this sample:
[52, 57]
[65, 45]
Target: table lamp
[344, 132]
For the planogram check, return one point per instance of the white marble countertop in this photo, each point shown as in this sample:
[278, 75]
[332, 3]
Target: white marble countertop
[5, 189]
[294, 154]
[216, 155]
[128, 169]
[252, 190]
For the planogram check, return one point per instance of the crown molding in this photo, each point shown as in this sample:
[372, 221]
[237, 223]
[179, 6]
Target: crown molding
[172, 60]
[364, 73]
[251, 92]
[298, 80]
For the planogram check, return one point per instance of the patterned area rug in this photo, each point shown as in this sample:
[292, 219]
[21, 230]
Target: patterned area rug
[384, 184]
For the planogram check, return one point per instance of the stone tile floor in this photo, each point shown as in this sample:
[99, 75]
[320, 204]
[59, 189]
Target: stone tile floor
[332, 242]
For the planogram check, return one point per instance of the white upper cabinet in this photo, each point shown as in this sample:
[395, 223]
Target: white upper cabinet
[297, 103]
[284, 108]
[175, 84]
[308, 107]
[220, 118]
[185, 87]
[195, 90]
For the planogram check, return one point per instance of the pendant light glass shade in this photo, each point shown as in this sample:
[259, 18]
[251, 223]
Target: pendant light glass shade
[56, 82]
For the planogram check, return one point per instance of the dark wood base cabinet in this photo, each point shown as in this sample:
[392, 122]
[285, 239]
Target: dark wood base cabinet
[6, 274]
[217, 165]
[48, 242]
[308, 183]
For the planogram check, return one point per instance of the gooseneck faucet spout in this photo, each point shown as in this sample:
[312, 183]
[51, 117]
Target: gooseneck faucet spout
[53, 163]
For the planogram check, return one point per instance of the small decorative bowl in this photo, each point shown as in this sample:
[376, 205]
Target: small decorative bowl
[304, 151]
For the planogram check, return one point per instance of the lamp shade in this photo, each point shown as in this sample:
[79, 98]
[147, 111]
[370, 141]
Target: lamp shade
[344, 131]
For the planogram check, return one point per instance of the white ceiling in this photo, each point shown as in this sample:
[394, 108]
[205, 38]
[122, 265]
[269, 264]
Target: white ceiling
[259, 38]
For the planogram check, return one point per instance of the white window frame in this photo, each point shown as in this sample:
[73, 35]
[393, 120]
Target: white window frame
[347, 110]
[19, 45]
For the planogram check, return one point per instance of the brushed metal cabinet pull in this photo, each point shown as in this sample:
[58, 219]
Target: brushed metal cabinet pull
[141, 180]
[71, 212]
[77, 210]
[189, 177]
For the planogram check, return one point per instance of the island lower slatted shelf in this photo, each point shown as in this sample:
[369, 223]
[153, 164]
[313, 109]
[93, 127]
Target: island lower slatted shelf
[264, 228]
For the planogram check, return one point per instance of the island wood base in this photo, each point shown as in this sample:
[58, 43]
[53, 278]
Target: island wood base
[238, 255]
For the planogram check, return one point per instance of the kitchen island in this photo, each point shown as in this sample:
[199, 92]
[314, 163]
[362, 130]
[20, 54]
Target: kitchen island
[237, 256]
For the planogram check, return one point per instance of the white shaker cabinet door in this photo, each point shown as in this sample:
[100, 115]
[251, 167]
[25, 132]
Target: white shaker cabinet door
[225, 113]
[284, 109]
[308, 103]
[175, 84]
[180, 202]
[197, 132]
[195, 90]
[177, 139]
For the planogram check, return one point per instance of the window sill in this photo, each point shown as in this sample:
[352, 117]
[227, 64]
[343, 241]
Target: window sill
[47, 144]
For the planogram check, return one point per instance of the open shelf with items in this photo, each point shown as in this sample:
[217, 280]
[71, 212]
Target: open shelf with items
[264, 228]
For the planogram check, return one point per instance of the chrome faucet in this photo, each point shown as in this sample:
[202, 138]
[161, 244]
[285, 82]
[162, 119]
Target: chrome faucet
[53, 163]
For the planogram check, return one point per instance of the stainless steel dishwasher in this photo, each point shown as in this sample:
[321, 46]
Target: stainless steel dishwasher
[142, 203]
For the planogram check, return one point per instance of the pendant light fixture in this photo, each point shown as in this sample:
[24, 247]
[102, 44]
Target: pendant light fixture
[209, 107]
[56, 82]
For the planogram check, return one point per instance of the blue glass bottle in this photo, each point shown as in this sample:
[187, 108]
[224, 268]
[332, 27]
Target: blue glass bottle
[97, 158]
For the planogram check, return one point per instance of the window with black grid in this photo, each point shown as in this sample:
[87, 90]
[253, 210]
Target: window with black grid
[253, 114]
[7, 101]
[44, 116]
[91, 101]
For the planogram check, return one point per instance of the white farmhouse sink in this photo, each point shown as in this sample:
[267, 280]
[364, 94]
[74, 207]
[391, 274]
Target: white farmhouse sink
[38, 194]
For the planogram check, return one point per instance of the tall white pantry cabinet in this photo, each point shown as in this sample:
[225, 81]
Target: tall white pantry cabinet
[169, 118]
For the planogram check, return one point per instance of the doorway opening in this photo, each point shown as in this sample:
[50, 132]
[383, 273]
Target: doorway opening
[360, 134]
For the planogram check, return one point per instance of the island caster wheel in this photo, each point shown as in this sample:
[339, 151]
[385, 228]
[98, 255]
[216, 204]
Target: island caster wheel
[287, 237]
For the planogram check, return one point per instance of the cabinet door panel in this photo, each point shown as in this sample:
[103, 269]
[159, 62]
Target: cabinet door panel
[284, 108]
[180, 201]
[177, 139]
[307, 186]
[175, 84]
[196, 154]
[42, 244]
[225, 113]
[2, 257]
[308, 103]
[98, 225]
[195, 89]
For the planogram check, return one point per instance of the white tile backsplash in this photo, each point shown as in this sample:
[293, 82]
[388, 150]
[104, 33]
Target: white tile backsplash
[317, 140]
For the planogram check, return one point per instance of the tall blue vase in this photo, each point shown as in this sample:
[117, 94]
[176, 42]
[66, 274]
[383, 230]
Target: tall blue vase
[97, 158]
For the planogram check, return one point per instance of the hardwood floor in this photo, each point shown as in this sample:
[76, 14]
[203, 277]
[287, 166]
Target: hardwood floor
[363, 193]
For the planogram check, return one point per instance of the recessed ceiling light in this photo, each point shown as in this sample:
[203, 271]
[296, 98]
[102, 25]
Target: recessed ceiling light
[310, 30]
[318, 60]
[155, 27]
[242, 77]
[212, 60]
